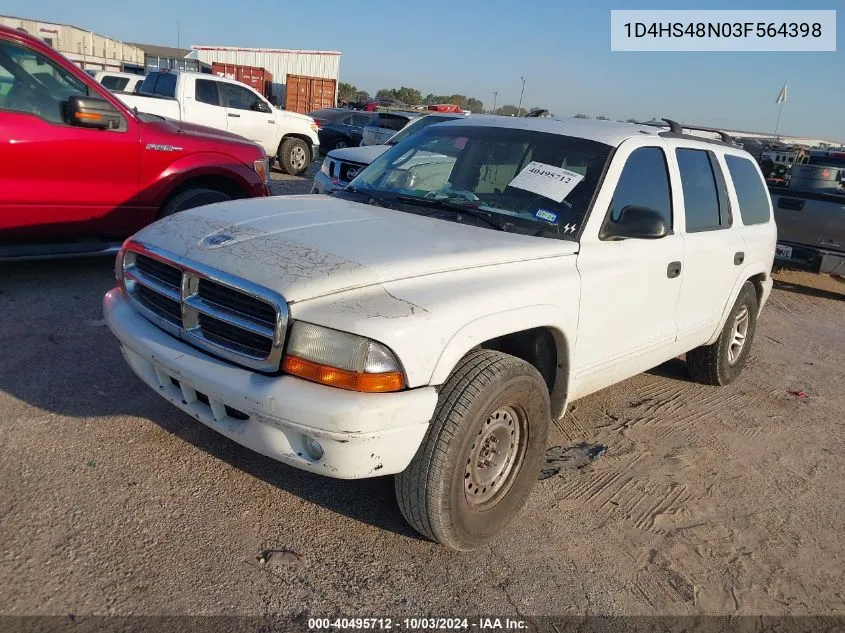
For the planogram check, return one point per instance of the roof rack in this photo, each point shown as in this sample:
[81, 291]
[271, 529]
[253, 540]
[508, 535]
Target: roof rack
[676, 129]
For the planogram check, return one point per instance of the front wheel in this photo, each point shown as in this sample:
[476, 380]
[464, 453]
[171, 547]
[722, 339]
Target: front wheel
[294, 156]
[192, 198]
[342, 143]
[482, 453]
[722, 362]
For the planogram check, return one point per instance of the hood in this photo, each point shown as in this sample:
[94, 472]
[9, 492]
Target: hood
[309, 246]
[295, 115]
[363, 155]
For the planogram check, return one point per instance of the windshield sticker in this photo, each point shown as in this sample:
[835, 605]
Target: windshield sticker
[546, 216]
[554, 183]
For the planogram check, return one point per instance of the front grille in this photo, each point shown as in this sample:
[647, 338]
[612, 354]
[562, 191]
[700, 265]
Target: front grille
[166, 274]
[221, 314]
[230, 336]
[348, 171]
[168, 309]
[234, 300]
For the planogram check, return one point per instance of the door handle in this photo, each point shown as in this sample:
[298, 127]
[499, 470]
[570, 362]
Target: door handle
[673, 270]
[739, 257]
[235, 116]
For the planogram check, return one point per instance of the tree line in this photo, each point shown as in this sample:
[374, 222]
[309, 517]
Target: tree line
[413, 97]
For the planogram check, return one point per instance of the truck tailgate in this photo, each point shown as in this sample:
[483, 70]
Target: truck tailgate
[810, 218]
[162, 106]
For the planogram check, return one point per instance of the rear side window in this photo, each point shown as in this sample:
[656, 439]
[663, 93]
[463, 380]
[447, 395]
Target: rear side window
[644, 182]
[390, 121]
[114, 83]
[753, 199]
[206, 92]
[704, 207]
[163, 84]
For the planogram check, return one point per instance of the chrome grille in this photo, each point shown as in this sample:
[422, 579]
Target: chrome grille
[226, 316]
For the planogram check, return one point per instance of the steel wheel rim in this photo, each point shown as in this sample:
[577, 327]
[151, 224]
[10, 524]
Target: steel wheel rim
[494, 457]
[297, 157]
[739, 334]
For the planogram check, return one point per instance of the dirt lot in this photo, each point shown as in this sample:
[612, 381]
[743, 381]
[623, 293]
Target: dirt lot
[706, 500]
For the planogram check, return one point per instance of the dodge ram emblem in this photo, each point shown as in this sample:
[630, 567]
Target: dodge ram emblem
[217, 240]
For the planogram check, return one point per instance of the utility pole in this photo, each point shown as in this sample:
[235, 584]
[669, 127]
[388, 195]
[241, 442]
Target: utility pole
[495, 96]
[521, 94]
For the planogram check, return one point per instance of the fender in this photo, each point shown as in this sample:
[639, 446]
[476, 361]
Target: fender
[196, 165]
[507, 322]
[753, 268]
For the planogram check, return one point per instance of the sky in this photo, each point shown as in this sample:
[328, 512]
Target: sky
[475, 47]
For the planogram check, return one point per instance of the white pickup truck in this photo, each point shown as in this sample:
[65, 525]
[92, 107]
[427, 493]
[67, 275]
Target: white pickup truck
[226, 104]
[431, 319]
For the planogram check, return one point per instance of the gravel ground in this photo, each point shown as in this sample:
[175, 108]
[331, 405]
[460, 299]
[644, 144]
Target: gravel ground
[706, 500]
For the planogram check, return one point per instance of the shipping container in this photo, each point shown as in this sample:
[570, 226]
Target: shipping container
[278, 62]
[259, 79]
[306, 94]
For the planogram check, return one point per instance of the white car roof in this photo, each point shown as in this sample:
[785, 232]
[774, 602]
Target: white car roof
[608, 132]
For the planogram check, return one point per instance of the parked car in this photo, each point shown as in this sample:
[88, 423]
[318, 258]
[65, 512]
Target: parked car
[810, 211]
[372, 106]
[119, 170]
[429, 321]
[340, 127]
[342, 165]
[384, 125]
[119, 82]
[226, 104]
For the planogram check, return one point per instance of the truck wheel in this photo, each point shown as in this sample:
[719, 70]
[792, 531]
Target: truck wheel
[342, 143]
[294, 156]
[721, 362]
[192, 198]
[482, 453]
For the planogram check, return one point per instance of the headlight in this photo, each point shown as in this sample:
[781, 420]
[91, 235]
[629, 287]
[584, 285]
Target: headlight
[262, 168]
[340, 359]
[324, 168]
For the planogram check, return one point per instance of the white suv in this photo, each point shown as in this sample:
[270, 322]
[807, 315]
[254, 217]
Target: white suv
[431, 319]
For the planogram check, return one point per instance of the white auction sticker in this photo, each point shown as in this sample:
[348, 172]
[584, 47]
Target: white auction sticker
[554, 183]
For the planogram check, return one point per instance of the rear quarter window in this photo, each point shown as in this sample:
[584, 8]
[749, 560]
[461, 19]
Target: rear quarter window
[753, 198]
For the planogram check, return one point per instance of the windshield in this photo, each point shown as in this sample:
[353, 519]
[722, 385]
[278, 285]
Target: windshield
[828, 161]
[416, 125]
[517, 178]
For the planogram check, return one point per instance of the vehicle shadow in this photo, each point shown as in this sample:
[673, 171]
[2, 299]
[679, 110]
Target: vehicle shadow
[810, 291]
[57, 355]
[675, 369]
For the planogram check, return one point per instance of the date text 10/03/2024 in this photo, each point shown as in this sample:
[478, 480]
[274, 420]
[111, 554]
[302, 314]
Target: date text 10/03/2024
[411, 624]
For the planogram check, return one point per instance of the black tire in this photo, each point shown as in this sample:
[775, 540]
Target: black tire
[719, 364]
[434, 492]
[343, 143]
[294, 156]
[192, 198]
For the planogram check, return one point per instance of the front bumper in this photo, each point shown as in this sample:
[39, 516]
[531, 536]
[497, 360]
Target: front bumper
[362, 435]
[325, 185]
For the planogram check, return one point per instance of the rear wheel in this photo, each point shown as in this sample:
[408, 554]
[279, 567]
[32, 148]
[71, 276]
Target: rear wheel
[482, 453]
[722, 362]
[342, 143]
[192, 198]
[294, 156]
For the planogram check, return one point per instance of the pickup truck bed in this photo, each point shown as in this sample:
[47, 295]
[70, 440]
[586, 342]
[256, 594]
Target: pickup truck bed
[811, 229]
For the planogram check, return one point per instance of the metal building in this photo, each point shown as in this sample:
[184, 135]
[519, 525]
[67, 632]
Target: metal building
[87, 50]
[280, 62]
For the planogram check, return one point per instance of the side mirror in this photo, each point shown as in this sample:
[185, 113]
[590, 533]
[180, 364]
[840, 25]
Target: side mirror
[92, 112]
[260, 106]
[636, 222]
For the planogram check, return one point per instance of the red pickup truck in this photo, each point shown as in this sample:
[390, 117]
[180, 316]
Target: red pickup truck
[79, 171]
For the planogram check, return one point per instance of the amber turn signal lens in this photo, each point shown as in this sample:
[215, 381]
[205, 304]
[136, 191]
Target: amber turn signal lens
[91, 116]
[342, 378]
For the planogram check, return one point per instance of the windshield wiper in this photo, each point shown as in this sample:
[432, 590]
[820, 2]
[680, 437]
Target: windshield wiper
[457, 206]
[371, 197]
